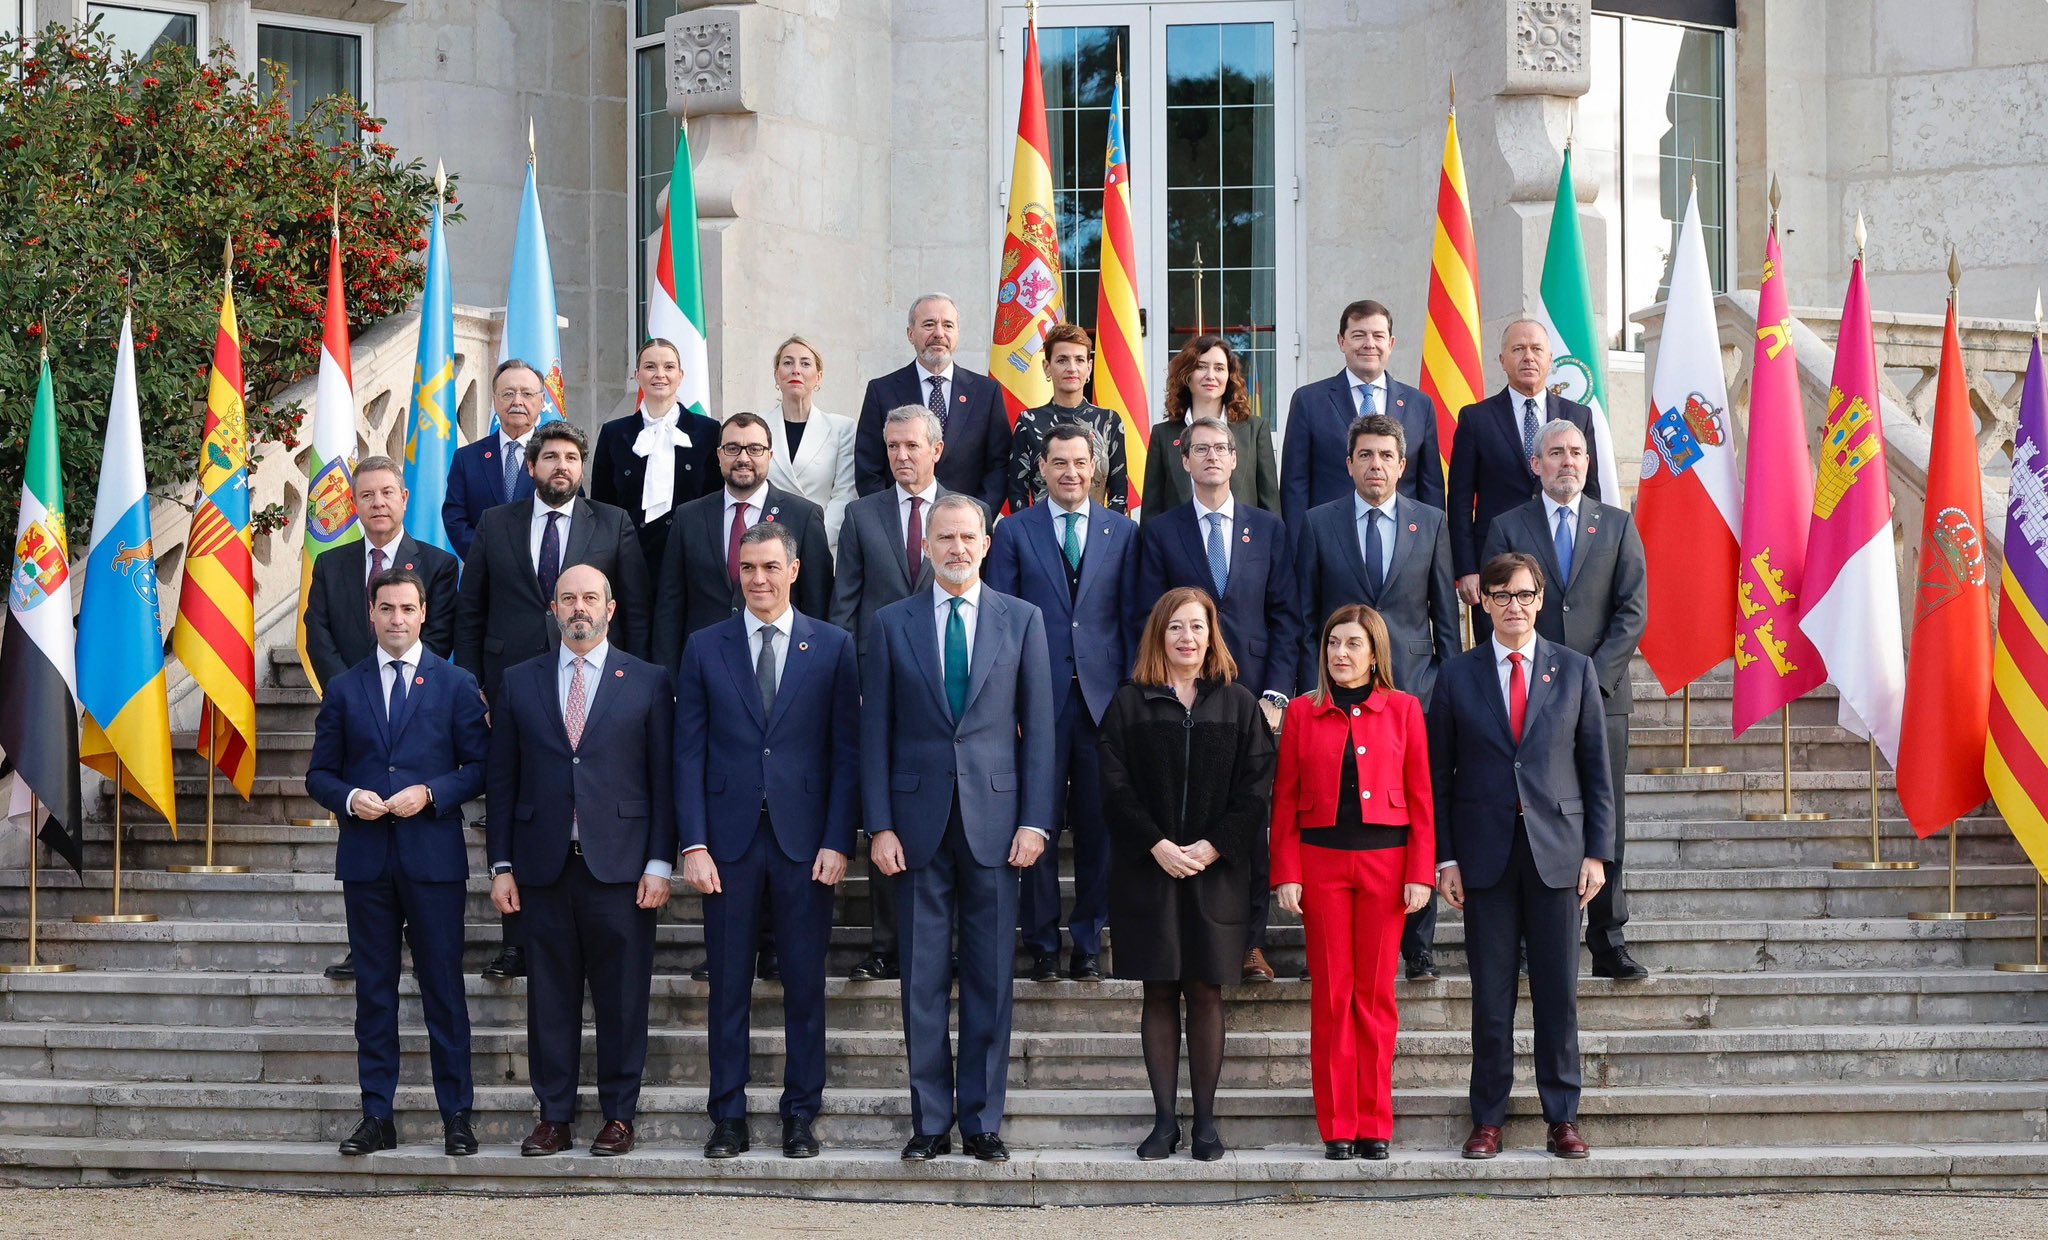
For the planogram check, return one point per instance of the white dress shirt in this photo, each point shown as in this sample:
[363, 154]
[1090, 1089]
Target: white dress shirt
[924, 386]
[389, 549]
[539, 526]
[1359, 509]
[1379, 395]
[929, 495]
[1229, 511]
[410, 666]
[593, 676]
[1060, 523]
[753, 502]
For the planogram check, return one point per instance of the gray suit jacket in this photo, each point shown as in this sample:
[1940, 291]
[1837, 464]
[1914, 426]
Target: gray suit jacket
[872, 570]
[1418, 600]
[1602, 611]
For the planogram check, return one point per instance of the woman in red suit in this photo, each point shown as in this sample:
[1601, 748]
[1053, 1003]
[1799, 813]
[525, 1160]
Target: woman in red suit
[1354, 852]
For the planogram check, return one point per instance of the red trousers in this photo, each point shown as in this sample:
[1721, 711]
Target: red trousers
[1351, 909]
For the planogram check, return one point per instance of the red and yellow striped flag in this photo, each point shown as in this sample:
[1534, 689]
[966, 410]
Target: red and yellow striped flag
[1119, 344]
[1451, 371]
[1029, 300]
[215, 633]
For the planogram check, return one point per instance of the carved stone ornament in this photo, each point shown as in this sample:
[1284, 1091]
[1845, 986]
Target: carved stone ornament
[703, 63]
[1546, 47]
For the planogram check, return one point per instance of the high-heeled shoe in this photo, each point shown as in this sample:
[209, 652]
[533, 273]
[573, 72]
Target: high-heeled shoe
[1163, 1140]
[1207, 1147]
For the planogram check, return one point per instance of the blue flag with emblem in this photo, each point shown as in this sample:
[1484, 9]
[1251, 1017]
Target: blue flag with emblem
[430, 427]
[533, 333]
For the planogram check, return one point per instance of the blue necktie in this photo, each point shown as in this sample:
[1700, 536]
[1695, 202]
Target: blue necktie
[1219, 566]
[1564, 544]
[396, 706]
[1375, 554]
[956, 660]
[515, 460]
[1368, 401]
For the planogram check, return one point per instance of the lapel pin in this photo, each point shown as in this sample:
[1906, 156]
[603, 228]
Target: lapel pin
[1400, 402]
[487, 454]
[1411, 527]
[419, 680]
[803, 645]
[962, 398]
[1592, 529]
[1546, 678]
[621, 673]
[408, 568]
[1247, 538]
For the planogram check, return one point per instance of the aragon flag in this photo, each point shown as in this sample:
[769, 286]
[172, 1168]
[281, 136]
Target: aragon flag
[38, 677]
[2016, 755]
[1029, 297]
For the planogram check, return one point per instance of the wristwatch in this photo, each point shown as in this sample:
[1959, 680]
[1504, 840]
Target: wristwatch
[503, 867]
[1275, 698]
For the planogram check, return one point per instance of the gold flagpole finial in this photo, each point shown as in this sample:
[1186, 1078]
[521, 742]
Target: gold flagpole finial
[227, 261]
[1774, 201]
[1955, 270]
[1862, 235]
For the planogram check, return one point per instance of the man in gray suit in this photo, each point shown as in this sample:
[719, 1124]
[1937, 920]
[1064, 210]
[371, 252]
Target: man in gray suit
[882, 560]
[1597, 604]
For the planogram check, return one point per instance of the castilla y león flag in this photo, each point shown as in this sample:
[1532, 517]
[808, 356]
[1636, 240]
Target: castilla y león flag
[1029, 299]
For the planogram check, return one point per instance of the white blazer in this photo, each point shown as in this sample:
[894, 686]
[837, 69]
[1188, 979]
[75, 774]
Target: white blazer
[823, 469]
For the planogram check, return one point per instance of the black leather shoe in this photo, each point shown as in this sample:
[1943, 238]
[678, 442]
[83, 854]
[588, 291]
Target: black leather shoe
[1208, 1147]
[1161, 1142]
[1045, 967]
[924, 1149]
[1619, 966]
[1339, 1151]
[797, 1141]
[767, 968]
[701, 971]
[875, 967]
[371, 1135]
[729, 1139]
[458, 1135]
[986, 1146]
[342, 970]
[1086, 967]
[1372, 1149]
[1422, 968]
[511, 963]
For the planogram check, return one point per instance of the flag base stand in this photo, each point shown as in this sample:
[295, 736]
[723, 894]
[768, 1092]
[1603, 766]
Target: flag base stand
[32, 965]
[209, 867]
[1950, 913]
[1877, 861]
[117, 917]
[2039, 964]
[1785, 747]
[312, 822]
[1685, 766]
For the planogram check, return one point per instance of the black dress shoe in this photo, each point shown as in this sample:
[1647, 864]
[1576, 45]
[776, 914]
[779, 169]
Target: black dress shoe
[729, 1139]
[1208, 1147]
[986, 1146]
[1086, 967]
[371, 1135]
[1339, 1151]
[797, 1141]
[1422, 968]
[342, 970]
[1372, 1149]
[1161, 1142]
[1304, 974]
[924, 1149]
[458, 1135]
[1045, 967]
[1619, 966]
[701, 971]
[767, 968]
[875, 967]
[511, 963]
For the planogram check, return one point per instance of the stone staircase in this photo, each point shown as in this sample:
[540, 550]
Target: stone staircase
[1799, 1032]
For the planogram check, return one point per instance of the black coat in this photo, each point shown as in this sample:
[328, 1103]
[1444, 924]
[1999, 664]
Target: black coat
[616, 474]
[1185, 775]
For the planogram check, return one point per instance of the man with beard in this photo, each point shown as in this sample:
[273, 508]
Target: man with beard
[968, 406]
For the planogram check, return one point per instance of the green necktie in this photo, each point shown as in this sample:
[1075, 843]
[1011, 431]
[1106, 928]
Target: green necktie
[956, 660]
[1070, 543]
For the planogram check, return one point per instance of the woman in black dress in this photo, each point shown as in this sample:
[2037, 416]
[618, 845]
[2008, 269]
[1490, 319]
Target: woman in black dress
[1187, 767]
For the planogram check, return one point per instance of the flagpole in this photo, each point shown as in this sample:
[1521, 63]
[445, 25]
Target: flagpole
[117, 915]
[1785, 748]
[1685, 764]
[1201, 328]
[211, 771]
[35, 811]
[1951, 913]
[1877, 861]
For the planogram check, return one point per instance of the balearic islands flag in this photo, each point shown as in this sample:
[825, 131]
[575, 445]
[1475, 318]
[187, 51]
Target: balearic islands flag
[430, 427]
[330, 470]
[533, 333]
[675, 297]
[1564, 305]
[1029, 299]
[2016, 756]
[1119, 344]
[1689, 507]
[1451, 371]
[38, 678]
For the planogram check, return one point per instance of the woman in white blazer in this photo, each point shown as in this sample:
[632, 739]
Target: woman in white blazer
[819, 466]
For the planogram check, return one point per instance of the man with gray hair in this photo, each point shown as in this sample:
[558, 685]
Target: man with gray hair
[968, 407]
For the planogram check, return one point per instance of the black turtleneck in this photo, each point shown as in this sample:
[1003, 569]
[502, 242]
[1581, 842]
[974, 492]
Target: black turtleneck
[1349, 833]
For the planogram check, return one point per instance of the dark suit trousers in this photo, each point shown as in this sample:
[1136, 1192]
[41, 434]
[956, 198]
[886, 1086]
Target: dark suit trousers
[428, 916]
[1077, 775]
[1498, 919]
[1608, 912]
[584, 933]
[732, 922]
[953, 892]
[883, 936]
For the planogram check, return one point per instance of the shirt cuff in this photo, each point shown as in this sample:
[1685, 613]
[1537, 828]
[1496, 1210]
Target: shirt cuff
[1441, 866]
[1042, 832]
[695, 848]
[660, 869]
[350, 804]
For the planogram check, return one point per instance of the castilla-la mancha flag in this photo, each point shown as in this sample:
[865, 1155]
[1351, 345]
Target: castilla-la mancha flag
[1948, 677]
[1029, 300]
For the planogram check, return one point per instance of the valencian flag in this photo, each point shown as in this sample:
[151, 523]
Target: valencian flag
[120, 633]
[675, 297]
[1564, 305]
[330, 470]
[533, 333]
[214, 635]
[1119, 344]
[1689, 506]
[1451, 371]
[1851, 606]
[1774, 660]
[430, 427]
[1029, 300]
[1948, 677]
[2016, 755]
[38, 680]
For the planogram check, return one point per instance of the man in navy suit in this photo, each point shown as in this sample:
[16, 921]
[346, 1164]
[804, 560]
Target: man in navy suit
[767, 797]
[492, 470]
[659, 457]
[1314, 455]
[957, 785]
[1242, 557]
[398, 746]
[1524, 828]
[1077, 562]
[581, 835]
[969, 406]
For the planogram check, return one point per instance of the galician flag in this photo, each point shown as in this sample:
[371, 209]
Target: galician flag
[1119, 344]
[1564, 305]
[1689, 507]
[675, 297]
[430, 427]
[2016, 756]
[1029, 298]
[533, 332]
[38, 675]
[330, 469]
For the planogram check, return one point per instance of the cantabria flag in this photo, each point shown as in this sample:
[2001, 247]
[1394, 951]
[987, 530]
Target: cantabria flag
[675, 297]
[1564, 303]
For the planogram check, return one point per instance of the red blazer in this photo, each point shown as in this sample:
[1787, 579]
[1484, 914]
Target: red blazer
[1393, 777]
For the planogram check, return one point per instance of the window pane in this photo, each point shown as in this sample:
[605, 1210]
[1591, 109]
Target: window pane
[1078, 64]
[145, 31]
[656, 138]
[317, 63]
[1596, 157]
[654, 12]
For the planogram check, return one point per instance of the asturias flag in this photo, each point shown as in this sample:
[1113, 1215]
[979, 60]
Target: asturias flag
[1564, 305]
[533, 333]
[330, 468]
[2016, 756]
[675, 298]
[1119, 344]
[1029, 298]
[430, 428]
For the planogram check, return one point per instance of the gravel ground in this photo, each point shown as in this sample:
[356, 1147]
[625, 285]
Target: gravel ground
[179, 1214]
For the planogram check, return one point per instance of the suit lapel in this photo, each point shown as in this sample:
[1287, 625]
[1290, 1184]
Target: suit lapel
[1511, 408]
[421, 682]
[580, 532]
[991, 629]
[1041, 535]
[926, 650]
[1488, 673]
[1407, 538]
[1191, 536]
[1340, 401]
[1587, 529]
[545, 679]
[1542, 674]
[377, 700]
[1537, 533]
[601, 689]
[796, 665]
[740, 667]
[1091, 565]
[1354, 556]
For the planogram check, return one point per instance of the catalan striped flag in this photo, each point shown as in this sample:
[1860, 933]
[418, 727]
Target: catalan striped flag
[214, 635]
[330, 471]
[1119, 344]
[1451, 372]
[1029, 299]
[2016, 756]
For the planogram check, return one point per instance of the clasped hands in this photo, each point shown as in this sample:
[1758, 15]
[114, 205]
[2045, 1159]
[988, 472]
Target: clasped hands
[406, 802]
[1185, 861]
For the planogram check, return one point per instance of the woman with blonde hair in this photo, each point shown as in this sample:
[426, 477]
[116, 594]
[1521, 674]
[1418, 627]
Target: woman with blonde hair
[1206, 380]
[813, 450]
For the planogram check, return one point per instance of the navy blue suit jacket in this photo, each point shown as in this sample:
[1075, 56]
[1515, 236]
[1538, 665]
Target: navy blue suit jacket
[977, 457]
[1490, 473]
[802, 760]
[1313, 469]
[997, 758]
[1417, 599]
[440, 740]
[1089, 634]
[476, 481]
[1260, 611]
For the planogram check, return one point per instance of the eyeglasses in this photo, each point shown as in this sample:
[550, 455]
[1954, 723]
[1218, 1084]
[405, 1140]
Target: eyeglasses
[1212, 449]
[1501, 598]
[732, 451]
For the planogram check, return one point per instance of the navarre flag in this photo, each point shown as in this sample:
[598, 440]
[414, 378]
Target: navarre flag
[1948, 677]
[533, 332]
[214, 635]
[1564, 305]
[120, 632]
[1774, 660]
[330, 468]
[1029, 299]
[1119, 344]
[2016, 755]
[430, 426]
[1851, 606]
[1451, 372]
[38, 673]
[675, 297]
[1689, 507]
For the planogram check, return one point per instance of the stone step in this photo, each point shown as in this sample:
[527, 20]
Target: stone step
[1713, 703]
[279, 752]
[1814, 748]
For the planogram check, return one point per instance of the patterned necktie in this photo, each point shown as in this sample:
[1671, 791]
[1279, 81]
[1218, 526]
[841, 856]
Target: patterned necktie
[764, 670]
[1528, 427]
[397, 699]
[1375, 553]
[550, 567]
[956, 660]
[937, 401]
[1368, 400]
[1070, 542]
[1518, 695]
[1219, 566]
[913, 538]
[515, 460]
[1564, 543]
[732, 543]
[579, 703]
[376, 562]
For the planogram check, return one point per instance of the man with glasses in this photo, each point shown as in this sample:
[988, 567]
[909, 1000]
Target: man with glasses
[492, 470]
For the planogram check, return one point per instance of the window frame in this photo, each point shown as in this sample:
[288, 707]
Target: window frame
[246, 47]
[202, 13]
[641, 242]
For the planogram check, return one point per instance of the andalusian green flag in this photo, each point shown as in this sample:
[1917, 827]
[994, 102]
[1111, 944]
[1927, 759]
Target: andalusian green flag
[1564, 304]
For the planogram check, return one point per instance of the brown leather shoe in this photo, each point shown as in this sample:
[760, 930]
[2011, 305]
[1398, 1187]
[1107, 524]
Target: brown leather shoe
[1565, 1142]
[615, 1138]
[1255, 967]
[547, 1138]
[1484, 1141]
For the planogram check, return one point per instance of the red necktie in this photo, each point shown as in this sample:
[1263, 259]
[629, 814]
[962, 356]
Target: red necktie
[732, 544]
[913, 538]
[1518, 695]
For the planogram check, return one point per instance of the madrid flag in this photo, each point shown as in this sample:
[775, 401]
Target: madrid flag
[1029, 298]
